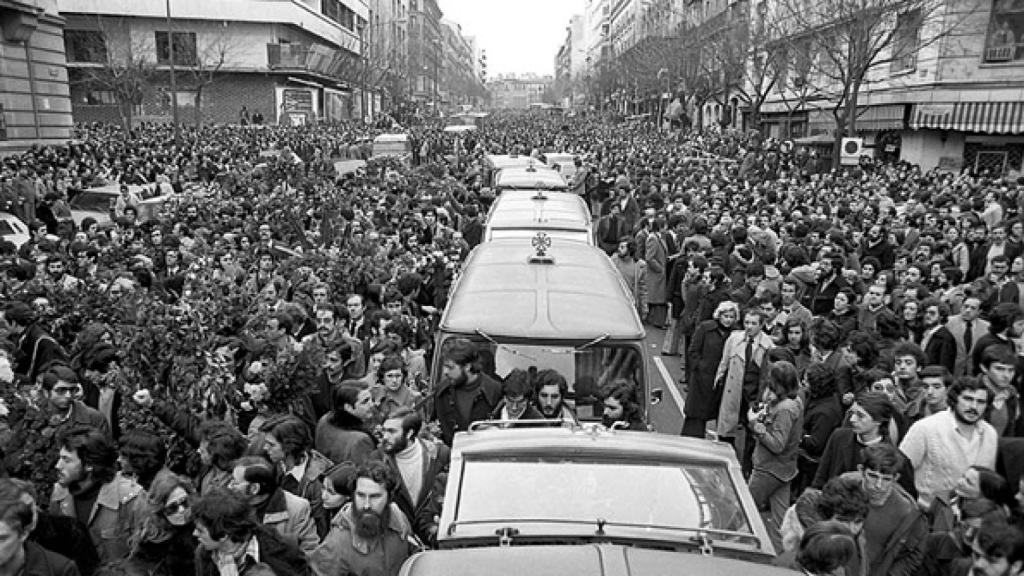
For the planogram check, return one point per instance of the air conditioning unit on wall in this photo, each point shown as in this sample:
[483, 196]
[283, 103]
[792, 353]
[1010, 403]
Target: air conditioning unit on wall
[851, 151]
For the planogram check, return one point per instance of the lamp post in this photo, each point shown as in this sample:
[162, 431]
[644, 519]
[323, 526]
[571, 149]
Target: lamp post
[173, 82]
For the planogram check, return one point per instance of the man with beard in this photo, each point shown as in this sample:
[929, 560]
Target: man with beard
[329, 337]
[465, 394]
[232, 541]
[371, 534]
[943, 446]
[997, 550]
[938, 342]
[552, 389]
[894, 528]
[89, 489]
[255, 479]
[419, 466]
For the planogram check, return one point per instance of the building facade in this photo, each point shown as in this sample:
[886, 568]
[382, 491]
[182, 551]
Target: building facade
[459, 82]
[386, 57]
[518, 92]
[948, 93]
[425, 50]
[289, 61]
[35, 106]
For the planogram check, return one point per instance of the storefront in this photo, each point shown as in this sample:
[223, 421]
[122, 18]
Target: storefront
[980, 136]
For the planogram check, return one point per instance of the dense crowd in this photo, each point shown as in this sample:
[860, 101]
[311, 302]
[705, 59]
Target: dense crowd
[239, 381]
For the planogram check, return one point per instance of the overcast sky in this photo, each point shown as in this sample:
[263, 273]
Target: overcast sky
[519, 35]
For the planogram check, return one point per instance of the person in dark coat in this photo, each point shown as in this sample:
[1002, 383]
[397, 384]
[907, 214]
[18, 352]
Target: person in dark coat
[465, 394]
[342, 435]
[23, 556]
[35, 349]
[703, 356]
[823, 413]
[63, 535]
[718, 292]
[226, 524]
[938, 342]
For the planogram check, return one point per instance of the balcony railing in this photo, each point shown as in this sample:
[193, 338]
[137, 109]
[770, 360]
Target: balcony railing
[314, 58]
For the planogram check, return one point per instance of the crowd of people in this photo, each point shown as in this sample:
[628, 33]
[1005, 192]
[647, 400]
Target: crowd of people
[239, 382]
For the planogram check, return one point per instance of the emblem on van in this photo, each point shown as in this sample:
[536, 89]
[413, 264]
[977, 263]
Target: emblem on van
[541, 244]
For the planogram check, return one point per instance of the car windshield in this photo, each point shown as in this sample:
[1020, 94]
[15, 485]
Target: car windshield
[642, 494]
[92, 202]
[6, 229]
[585, 368]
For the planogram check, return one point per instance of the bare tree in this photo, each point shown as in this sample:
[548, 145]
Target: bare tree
[846, 41]
[123, 69]
[210, 59]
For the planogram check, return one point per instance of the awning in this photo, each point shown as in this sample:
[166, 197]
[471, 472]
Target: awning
[878, 118]
[985, 117]
[870, 119]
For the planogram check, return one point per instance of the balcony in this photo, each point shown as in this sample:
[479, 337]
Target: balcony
[312, 58]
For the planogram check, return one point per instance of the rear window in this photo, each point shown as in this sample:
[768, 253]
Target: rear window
[6, 229]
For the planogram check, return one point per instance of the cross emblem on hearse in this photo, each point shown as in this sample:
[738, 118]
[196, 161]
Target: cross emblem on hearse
[541, 243]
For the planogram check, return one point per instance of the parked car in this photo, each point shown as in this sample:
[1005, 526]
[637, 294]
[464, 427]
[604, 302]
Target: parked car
[96, 203]
[13, 229]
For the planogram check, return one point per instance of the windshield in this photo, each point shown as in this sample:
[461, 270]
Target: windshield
[92, 202]
[585, 370]
[6, 229]
[667, 495]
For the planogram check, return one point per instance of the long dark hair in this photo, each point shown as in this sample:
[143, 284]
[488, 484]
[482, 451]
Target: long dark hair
[341, 395]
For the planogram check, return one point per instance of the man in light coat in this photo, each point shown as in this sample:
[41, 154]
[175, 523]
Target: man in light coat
[739, 373]
[255, 478]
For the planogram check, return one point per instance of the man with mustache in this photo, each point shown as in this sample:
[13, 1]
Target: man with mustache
[370, 535]
[942, 446]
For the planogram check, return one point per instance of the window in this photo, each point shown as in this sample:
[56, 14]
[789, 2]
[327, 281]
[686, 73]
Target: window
[1005, 32]
[905, 41]
[340, 13]
[184, 48]
[97, 97]
[85, 46]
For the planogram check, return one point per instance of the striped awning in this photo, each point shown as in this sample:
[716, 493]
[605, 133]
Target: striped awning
[869, 119]
[985, 117]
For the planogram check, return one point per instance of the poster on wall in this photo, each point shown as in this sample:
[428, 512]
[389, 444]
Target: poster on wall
[296, 106]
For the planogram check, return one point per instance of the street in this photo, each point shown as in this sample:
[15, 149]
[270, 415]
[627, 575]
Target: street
[667, 415]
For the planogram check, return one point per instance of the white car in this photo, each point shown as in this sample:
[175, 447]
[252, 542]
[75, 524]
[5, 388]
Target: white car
[96, 202]
[13, 229]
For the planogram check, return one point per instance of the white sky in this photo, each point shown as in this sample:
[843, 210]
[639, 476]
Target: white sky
[519, 35]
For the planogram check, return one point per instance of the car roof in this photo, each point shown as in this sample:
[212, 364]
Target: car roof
[539, 209]
[503, 293]
[578, 560]
[531, 176]
[590, 440]
[392, 138]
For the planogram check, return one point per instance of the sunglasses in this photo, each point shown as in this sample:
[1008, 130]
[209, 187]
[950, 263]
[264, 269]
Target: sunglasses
[175, 507]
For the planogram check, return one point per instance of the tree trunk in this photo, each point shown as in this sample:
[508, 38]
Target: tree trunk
[198, 110]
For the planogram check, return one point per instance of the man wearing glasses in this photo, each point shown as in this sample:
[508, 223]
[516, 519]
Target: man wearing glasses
[894, 528]
[59, 386]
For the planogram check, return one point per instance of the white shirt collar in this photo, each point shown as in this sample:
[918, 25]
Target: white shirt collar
[299, 470]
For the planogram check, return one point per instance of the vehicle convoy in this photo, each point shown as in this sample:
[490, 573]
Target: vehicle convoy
[536, 306]
[557, 490]
[520, 214]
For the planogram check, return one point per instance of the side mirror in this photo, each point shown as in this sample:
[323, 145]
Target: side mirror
[657, 395]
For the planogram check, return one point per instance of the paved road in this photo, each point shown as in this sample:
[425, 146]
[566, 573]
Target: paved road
[664, 371]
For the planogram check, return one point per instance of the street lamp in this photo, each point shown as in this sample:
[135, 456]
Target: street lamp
[173, 82]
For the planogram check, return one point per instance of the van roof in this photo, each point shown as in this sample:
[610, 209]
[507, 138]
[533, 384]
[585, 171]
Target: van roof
[532, 178]
[383, 138]
[581, 296]
[515, 209]
[499, 161]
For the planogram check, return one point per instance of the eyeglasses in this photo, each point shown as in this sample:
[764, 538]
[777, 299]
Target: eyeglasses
[176, 506]
[65, 390]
